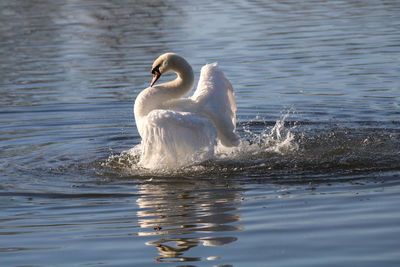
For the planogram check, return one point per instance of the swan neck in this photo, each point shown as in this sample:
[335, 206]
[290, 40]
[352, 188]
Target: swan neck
[183, 83]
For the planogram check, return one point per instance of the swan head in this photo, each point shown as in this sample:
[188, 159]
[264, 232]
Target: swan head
[167, 62]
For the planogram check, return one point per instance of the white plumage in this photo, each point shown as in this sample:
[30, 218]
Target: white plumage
[215, 97]
[180, 131]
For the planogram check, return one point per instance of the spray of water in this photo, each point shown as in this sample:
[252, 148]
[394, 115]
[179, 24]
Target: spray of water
[279, 139]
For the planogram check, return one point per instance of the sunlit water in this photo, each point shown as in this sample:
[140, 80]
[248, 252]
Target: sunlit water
[315, 181]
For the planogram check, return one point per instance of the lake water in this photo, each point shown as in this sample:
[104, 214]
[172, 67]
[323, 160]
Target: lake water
[318, 91]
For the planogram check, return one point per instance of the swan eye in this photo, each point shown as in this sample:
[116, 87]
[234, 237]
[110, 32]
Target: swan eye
[156, 69]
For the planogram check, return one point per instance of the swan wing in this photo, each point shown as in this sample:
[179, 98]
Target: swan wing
[172, 139]
[215, 98]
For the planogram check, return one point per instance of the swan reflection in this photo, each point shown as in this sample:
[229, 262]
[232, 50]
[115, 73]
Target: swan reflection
[187, 214]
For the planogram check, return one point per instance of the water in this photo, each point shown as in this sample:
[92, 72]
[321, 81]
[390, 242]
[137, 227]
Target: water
[316, 181]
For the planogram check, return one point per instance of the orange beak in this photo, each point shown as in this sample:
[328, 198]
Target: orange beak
[156, 76]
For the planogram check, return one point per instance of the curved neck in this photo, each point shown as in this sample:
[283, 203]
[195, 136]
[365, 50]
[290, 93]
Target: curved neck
[155, 97]
[182, 84]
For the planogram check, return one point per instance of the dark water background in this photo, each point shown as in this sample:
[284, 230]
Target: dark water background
[70, 71]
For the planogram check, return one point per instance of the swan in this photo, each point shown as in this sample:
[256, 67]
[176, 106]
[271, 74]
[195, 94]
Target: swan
[178, 131]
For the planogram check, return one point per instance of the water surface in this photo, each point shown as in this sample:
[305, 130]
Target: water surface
[316, 181]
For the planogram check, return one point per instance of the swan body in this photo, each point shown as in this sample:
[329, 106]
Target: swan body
[178, 131]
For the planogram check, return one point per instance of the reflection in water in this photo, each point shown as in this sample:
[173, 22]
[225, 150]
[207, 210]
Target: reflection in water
[177, 208]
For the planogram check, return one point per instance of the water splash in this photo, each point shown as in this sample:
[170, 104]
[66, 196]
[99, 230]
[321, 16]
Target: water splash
[254, 145]
[260, 144]
[279, 139]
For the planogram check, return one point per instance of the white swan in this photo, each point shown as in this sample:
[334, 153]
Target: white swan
[178, 131]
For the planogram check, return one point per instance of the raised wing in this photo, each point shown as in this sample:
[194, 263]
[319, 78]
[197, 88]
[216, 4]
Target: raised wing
[215, 98]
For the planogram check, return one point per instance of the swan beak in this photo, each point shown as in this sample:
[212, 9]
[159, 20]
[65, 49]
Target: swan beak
[156, 76]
